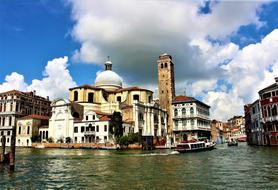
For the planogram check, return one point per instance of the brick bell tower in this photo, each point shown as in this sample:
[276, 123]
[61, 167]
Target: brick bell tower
[166, 86]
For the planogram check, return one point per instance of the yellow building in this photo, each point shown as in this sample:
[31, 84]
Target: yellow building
[28, 128]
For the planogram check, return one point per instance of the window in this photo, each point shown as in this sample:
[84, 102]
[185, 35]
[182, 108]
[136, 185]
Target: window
[119, 99]
[105, 138]
[19, 130]
[75, 139]
[82, 139]
[91, 97]
[10, 121]
[192, 122]
[150, 99]
[165, 65]
[191, 111]
[94, 117]
[176, 123]
[183, 111]
[161, 65]
[105, 128]
[136, 97]
[75, 94]
[97, 128]
[8, 140]
[176, 112]
[28, 130]
[75, 129]
[274, 110]
[184, 122]
[82, 129]
[46, 134]
[87, 117]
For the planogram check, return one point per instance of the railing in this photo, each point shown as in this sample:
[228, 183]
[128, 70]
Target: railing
[191, 116]
[89, 133]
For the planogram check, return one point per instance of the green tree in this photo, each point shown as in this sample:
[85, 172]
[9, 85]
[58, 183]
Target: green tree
[68, 140]
[36, 138]
[116, 125]
[50, 140]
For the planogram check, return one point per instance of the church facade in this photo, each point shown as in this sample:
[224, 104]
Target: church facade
[140, 113]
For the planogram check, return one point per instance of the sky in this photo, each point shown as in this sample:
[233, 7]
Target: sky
[224, 52]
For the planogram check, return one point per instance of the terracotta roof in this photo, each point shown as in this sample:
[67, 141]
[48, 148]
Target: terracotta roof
[104, 118]
[101, 113]
[33, 116]
[181, 99]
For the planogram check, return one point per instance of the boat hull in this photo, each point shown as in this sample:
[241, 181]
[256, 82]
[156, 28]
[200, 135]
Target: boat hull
[181, 150]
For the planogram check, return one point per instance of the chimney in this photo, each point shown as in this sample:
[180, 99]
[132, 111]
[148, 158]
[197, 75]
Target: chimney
[276, 80]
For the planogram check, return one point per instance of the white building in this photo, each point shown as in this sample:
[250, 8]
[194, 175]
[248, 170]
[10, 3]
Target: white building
[64, 113]
[191, 119]
[139, 112]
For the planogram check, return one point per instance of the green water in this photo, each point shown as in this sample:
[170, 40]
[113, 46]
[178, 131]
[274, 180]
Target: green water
[241, 167]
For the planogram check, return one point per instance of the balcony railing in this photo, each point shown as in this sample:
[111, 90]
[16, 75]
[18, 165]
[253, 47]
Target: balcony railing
[191, 116]
[89, 133]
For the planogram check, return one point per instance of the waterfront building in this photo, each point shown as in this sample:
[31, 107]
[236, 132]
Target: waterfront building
[166, 86]
[256, 133]
[191, 119]
[15, 104]
[140, 113]
[61, 122]
[268, 102]
[237, 127]
[217, 131]
[28, 129]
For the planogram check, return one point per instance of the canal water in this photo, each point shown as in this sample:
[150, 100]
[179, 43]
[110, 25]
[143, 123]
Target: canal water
[242, 167]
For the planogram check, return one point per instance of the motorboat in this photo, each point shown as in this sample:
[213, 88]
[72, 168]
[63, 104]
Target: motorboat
[194, 146]
[233, 143]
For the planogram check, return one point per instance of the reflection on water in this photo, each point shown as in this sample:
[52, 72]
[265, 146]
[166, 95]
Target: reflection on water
[241, 167]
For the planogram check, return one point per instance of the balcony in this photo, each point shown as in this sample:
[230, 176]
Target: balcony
[89, 133]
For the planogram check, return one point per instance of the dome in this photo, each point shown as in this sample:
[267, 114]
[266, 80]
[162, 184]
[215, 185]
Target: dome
[108, 79]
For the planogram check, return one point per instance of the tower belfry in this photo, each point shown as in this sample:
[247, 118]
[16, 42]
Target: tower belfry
[166, 85]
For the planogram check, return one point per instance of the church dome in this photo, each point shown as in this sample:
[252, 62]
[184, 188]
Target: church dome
[108, 79]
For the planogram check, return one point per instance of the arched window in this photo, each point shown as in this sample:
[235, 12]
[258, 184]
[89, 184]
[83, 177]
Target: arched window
[176, 112]
[183, 111]
[161, 66]
[191, 111]
[274, 110]
[43, 135]
[19, 130]
[165, 65]
[27, 142]
[28, 130]
[268, 111]
[75, 94]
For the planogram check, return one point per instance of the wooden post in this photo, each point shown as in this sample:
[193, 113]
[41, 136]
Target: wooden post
[12, 153]
[2, 156]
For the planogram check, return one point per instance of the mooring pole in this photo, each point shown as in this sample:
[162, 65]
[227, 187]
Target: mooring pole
[3, 144]
[12, 153]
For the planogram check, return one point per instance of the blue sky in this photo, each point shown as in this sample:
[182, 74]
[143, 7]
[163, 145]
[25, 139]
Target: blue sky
[200, 35]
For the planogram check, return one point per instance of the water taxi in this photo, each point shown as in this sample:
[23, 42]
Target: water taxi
[194, 146]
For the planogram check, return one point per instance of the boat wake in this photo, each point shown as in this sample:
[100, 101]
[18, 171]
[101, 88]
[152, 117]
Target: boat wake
[158, 154]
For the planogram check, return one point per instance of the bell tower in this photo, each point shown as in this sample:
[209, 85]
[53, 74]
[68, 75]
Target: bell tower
[166, 86]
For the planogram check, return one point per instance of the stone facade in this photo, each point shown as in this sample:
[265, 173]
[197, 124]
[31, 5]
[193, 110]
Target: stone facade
[166, 86]
[191, 119]
[16, 104]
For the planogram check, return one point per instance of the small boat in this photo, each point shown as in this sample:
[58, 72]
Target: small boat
[194, 146]
[232, 143]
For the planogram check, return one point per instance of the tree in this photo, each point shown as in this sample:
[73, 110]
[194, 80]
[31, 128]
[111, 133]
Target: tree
[116, 125]
[68, 140]
[36, 138]
[50, 140]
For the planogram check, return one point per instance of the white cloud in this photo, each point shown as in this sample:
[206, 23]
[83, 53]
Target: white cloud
[13, 81]
[55, 83]
[135, 33]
